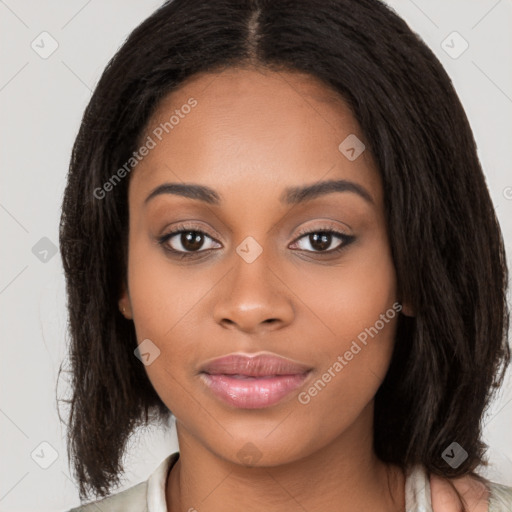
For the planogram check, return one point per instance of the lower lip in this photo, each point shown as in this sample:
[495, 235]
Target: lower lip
[253, 393]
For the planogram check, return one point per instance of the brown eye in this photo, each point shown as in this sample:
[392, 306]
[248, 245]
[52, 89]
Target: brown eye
[324, 241]
[183, 241]
[191, 240]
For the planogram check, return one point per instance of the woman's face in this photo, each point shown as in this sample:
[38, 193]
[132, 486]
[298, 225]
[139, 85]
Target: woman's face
[246, 280]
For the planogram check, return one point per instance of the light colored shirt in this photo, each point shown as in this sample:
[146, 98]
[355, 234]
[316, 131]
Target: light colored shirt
[149, 496]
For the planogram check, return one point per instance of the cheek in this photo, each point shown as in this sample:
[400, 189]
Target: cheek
[347, 298]
[356, 312]
[165, 299]
[161, 291]
[354, 364]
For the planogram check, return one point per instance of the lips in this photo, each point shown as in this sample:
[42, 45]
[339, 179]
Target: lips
[253, 382]
[263, 365]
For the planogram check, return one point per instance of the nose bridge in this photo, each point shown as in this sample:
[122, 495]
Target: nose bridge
[251, 267]
[252, 295]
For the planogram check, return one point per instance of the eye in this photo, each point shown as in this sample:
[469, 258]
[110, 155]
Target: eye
[322, 240]
[186, 240]
[190, 240]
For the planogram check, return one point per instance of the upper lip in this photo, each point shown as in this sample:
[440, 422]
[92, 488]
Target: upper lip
[261, 365]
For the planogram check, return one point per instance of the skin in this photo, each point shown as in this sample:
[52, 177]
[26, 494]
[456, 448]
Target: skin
[253, 134]
[445, 498]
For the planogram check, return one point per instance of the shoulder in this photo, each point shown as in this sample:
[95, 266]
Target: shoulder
[479, 495]
[138, 498]
[132, 499]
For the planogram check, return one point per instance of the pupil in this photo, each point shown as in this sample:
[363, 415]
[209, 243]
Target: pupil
[320, 241]
[191, 242]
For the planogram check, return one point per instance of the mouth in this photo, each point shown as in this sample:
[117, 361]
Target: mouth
[248, 377]
[261, 365]
[253, 382]
[247, 392]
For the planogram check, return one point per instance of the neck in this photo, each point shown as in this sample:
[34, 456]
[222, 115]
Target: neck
[344, 475]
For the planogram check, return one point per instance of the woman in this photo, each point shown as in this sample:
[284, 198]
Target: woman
[277, 230]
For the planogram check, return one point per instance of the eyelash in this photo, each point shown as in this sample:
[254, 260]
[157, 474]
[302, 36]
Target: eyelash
[182, 228]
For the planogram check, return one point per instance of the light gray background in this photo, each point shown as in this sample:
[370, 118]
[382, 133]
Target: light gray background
[42, 101]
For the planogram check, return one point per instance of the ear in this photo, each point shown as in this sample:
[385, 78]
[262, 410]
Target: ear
[407, 309]
[124, 302]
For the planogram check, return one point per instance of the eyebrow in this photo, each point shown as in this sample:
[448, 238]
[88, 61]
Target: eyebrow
[293, 195]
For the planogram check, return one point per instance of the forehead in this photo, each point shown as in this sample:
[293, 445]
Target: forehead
[251, 130]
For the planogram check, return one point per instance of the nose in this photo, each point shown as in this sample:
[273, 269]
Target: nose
[253, 298]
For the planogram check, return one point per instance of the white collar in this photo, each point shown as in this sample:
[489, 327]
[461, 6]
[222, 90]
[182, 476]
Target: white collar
[417, 490]
[157, 482]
